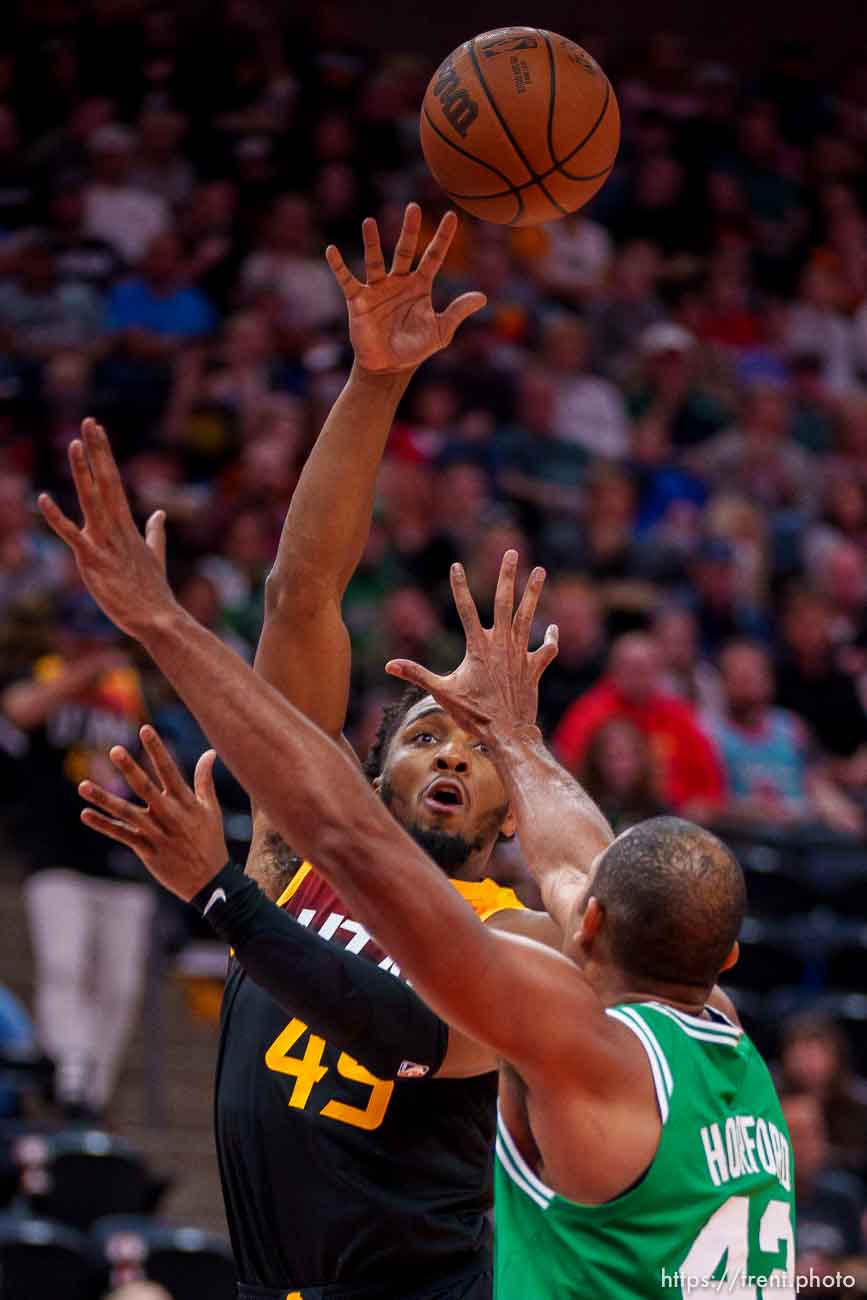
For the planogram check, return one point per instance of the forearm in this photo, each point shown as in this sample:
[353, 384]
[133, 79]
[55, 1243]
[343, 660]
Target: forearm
[329, 517]
[561, 829]
[349, 1001]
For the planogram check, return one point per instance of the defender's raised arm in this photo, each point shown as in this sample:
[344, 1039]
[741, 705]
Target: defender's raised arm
[494, 693]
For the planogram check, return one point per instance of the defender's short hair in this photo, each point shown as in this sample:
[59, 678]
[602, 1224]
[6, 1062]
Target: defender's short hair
[674, 899]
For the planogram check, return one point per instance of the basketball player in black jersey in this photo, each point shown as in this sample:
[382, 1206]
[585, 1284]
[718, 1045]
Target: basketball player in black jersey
[303, 1128]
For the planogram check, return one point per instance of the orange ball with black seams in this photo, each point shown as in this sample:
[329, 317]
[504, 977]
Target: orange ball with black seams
[520, 126]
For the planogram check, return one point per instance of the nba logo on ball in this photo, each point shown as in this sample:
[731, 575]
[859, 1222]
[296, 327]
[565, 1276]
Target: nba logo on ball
[520, 126]
[507, 43]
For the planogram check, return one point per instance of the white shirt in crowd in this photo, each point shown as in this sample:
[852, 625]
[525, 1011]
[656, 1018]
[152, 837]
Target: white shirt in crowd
[590, 411]
[578, 255]
[829, 335]
[128, 219]
[305, 284]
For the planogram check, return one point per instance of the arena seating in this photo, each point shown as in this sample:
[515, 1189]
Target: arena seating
[43, 1260]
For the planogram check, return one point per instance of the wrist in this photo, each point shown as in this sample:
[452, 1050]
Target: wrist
[518, 734]
[230, 878]
[164, 625]
[392, 383]
[232, 904]
[513, 744]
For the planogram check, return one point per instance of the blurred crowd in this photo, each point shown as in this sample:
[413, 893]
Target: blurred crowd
[664, 402]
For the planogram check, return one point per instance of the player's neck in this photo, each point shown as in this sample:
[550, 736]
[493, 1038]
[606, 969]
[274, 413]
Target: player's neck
[476, 868]
[615, 987]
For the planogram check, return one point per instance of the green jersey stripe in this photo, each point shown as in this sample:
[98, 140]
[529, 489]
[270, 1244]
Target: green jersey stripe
[712, 1027]
[505, 1161]
[518, 1160]
[645, 1025]
[653, 1057]
[702, 1030]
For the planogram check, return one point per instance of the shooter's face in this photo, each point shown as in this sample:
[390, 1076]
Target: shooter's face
[439, 779]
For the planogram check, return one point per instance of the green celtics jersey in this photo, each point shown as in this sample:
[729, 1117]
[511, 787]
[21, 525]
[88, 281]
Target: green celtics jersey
[714, 1213]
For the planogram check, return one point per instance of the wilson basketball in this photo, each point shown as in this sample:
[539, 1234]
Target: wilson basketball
[520, 126]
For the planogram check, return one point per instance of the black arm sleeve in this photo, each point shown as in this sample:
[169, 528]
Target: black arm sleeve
[372, 1015]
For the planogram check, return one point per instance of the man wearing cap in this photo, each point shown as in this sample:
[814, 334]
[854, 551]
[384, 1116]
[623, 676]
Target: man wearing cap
[669, 392]
[88, 905]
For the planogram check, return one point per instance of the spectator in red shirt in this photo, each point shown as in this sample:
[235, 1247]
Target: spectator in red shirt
[691, 776]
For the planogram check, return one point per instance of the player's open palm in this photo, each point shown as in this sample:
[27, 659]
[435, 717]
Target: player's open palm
[496, 687]
[392, 322]
[178, 833]
[122, 570]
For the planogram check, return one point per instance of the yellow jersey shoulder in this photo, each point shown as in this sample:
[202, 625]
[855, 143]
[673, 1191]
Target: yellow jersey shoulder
[486, 897]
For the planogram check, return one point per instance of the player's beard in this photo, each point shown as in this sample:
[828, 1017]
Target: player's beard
[448, 849]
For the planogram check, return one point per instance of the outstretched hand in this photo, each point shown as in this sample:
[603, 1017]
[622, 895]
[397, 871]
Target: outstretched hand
[392, 322]
[496, 688]
[123, 571]
[178, 834]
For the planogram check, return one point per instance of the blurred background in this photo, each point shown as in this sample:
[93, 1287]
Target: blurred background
[665, 402]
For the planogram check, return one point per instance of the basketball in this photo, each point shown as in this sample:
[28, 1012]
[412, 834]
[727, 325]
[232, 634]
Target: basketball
[520, 126]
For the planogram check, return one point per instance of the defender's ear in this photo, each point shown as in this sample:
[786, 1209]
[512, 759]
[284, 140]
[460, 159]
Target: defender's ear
[732, 958]
[509, 825]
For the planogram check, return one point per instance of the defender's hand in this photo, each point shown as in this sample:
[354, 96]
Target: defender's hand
[392, 322]
[178, 835]
[496, 689]
[123, 571]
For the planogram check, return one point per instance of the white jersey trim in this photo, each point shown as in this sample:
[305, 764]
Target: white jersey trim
[662, 1080]
[663, 1060]
[517, 1168]
[503, 1157]
[708, 1031]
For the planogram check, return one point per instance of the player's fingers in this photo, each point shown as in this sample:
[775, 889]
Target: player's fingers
[464, 603]
[407, 243]
[121, 809]
[203, 779]
[85, 487]
[504, 597]
[346, 280]
[547, 652]
[374, 262]
[115, 830]
[57, 521]
[165, 766]
[526, 611]
[135, 776]
[110, 491]
[435, 253]
[458, 311]
[413, 673]
[155, 536]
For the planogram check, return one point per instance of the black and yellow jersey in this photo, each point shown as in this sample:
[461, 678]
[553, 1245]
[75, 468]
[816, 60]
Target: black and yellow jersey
[329, 1174]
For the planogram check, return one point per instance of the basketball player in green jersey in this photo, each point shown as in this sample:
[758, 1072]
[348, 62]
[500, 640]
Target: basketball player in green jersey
[642, 1148]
